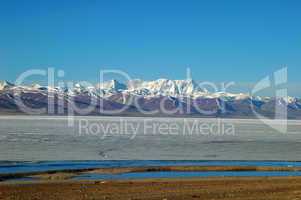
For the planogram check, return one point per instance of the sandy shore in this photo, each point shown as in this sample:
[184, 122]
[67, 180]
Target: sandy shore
[199, 188]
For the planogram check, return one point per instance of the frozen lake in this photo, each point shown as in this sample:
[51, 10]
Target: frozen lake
[25, 138]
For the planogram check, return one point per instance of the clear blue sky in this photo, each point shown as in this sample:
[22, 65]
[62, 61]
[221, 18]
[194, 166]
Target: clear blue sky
[225, 40]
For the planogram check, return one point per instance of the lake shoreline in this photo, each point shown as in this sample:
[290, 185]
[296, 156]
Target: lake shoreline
[68, 174]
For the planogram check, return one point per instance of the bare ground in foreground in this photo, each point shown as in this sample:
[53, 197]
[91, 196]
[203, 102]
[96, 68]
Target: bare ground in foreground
[199, 188]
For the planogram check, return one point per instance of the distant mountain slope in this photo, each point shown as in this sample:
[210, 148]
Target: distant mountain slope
[161, 97]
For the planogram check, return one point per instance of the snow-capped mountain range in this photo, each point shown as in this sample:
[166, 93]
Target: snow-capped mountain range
[184, 97]
[160, 87]
[137, 87]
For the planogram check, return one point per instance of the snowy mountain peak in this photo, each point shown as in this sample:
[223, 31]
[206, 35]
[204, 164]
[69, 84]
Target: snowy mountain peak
[112, 85]
[5, 84]
[165, 87]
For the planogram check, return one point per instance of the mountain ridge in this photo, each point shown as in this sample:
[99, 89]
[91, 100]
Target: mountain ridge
[182, 97]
